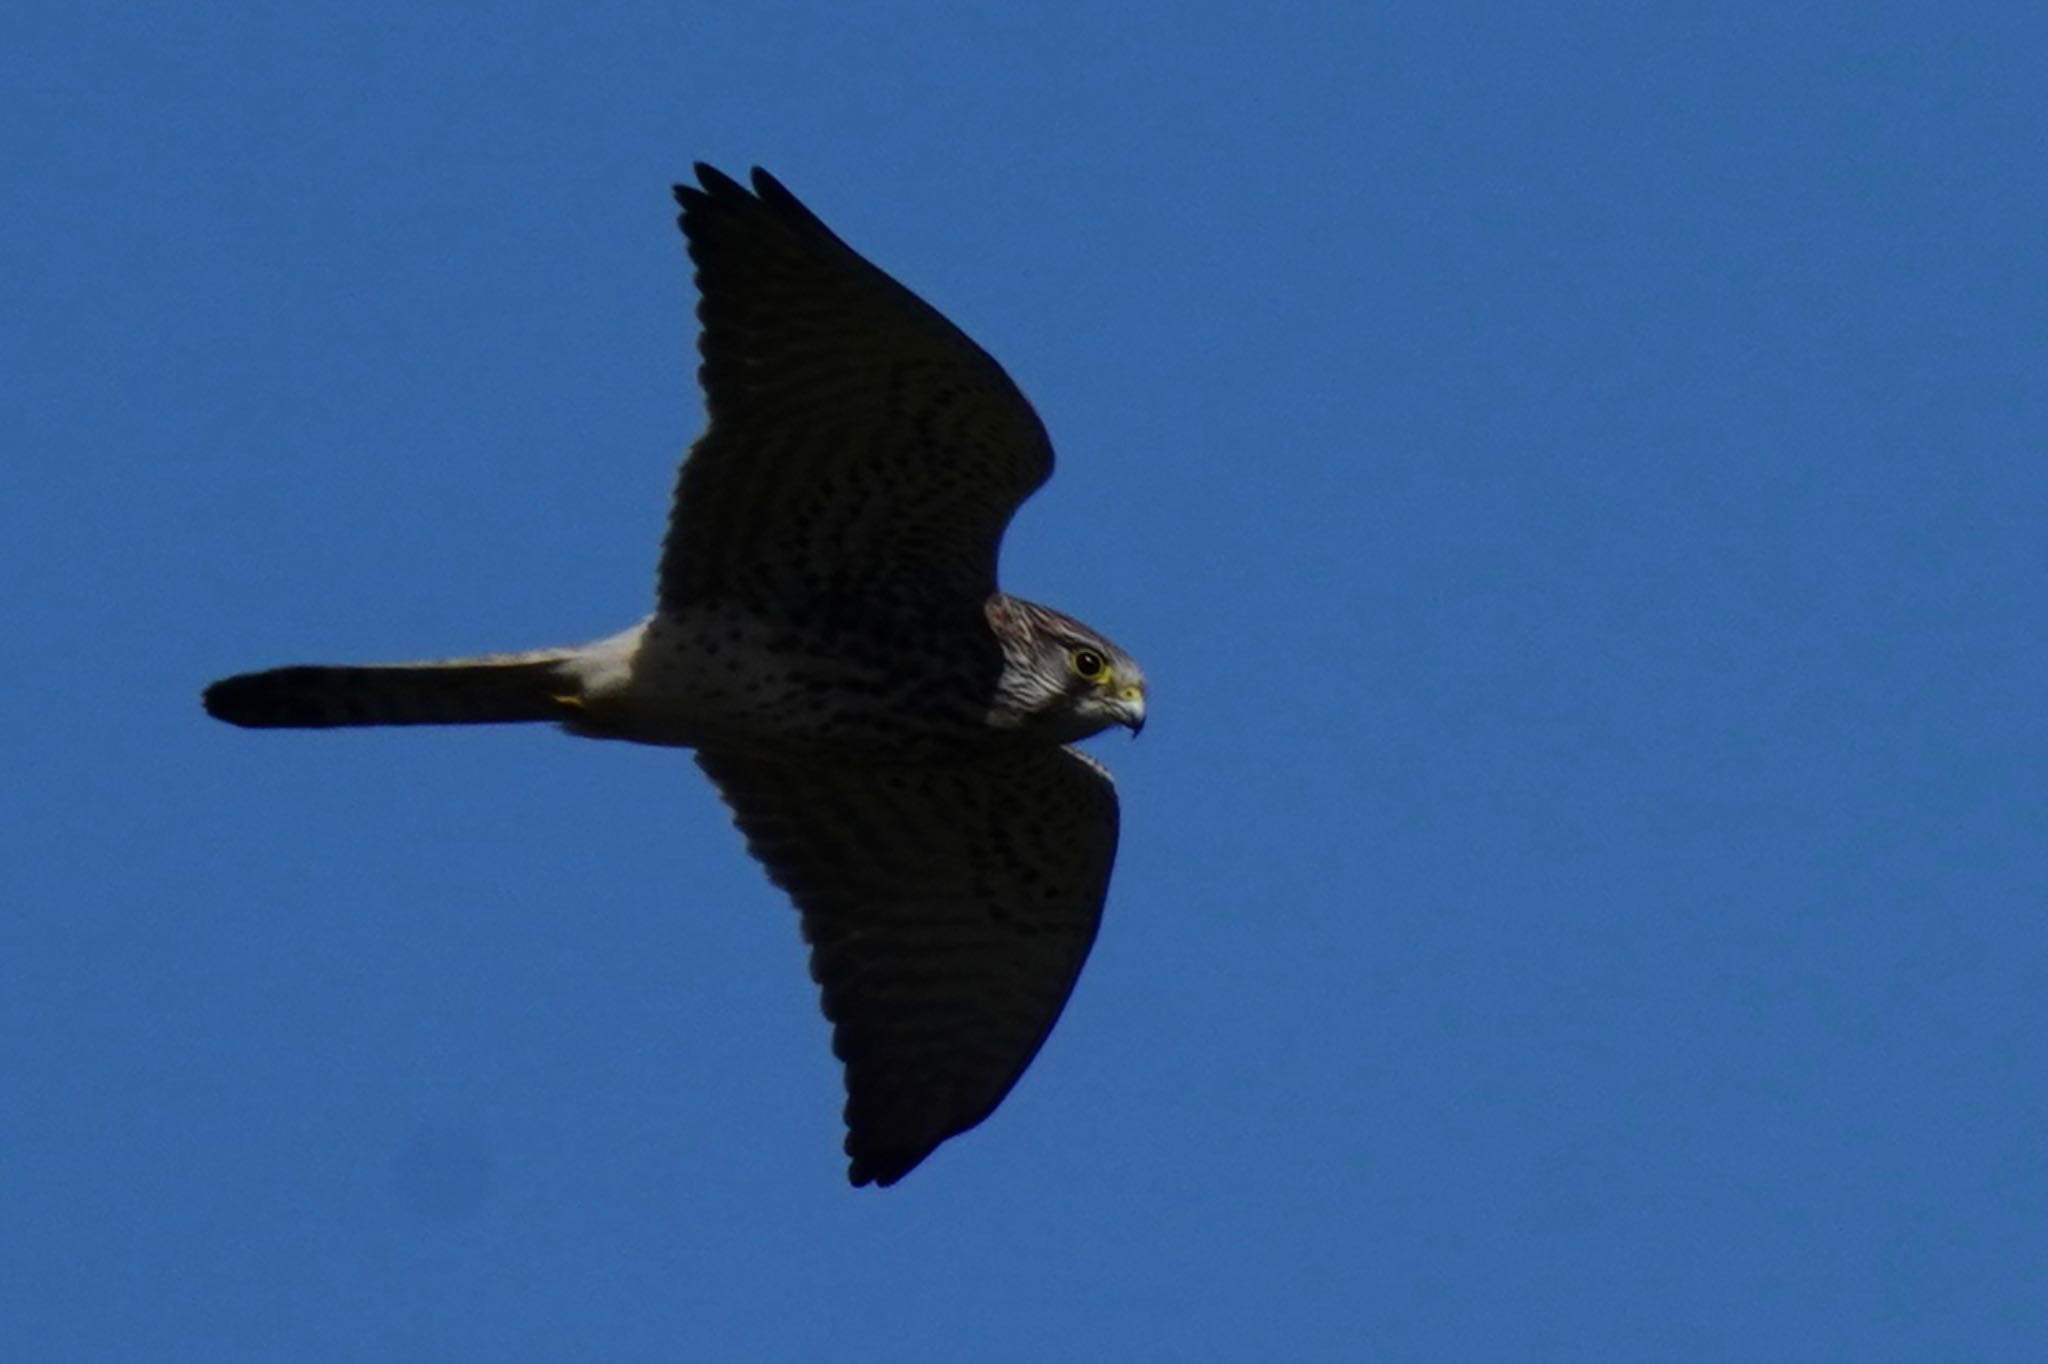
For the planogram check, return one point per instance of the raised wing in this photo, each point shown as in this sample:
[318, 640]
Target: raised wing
[858, 443]
[948, 909]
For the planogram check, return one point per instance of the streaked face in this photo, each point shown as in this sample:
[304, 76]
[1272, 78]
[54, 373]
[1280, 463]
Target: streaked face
[1104, 683]
[1062, 680]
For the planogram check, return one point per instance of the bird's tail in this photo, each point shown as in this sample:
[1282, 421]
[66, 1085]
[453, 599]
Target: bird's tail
[493, 689]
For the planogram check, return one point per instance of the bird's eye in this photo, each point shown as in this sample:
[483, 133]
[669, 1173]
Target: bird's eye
[1089, 665]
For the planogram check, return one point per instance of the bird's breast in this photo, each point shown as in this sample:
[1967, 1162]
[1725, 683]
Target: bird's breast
[727, 677]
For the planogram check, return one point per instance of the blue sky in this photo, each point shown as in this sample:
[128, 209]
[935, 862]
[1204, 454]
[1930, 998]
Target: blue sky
[1574, 475]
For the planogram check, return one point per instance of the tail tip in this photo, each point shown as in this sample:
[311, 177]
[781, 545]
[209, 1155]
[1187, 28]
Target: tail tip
[265, 700]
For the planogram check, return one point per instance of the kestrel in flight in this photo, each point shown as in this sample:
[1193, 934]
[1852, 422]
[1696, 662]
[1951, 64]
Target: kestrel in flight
[891, 731]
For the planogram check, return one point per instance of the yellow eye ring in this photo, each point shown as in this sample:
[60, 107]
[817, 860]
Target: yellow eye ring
[1089, 665]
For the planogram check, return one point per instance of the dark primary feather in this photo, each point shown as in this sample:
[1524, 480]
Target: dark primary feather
[949, 909]
[858, 441]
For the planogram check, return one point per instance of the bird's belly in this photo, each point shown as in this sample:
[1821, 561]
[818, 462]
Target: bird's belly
[720, 678]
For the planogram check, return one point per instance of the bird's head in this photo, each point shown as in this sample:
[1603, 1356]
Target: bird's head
[1061, 680]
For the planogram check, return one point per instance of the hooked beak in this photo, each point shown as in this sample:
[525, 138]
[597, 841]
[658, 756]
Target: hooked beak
[1130, 708]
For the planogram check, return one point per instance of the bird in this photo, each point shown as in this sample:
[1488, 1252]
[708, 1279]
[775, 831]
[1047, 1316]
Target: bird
[893, 733]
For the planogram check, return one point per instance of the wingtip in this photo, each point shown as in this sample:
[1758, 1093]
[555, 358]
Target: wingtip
[881, 1166]
[862, 1174]
[710, 181]
[717, 196]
